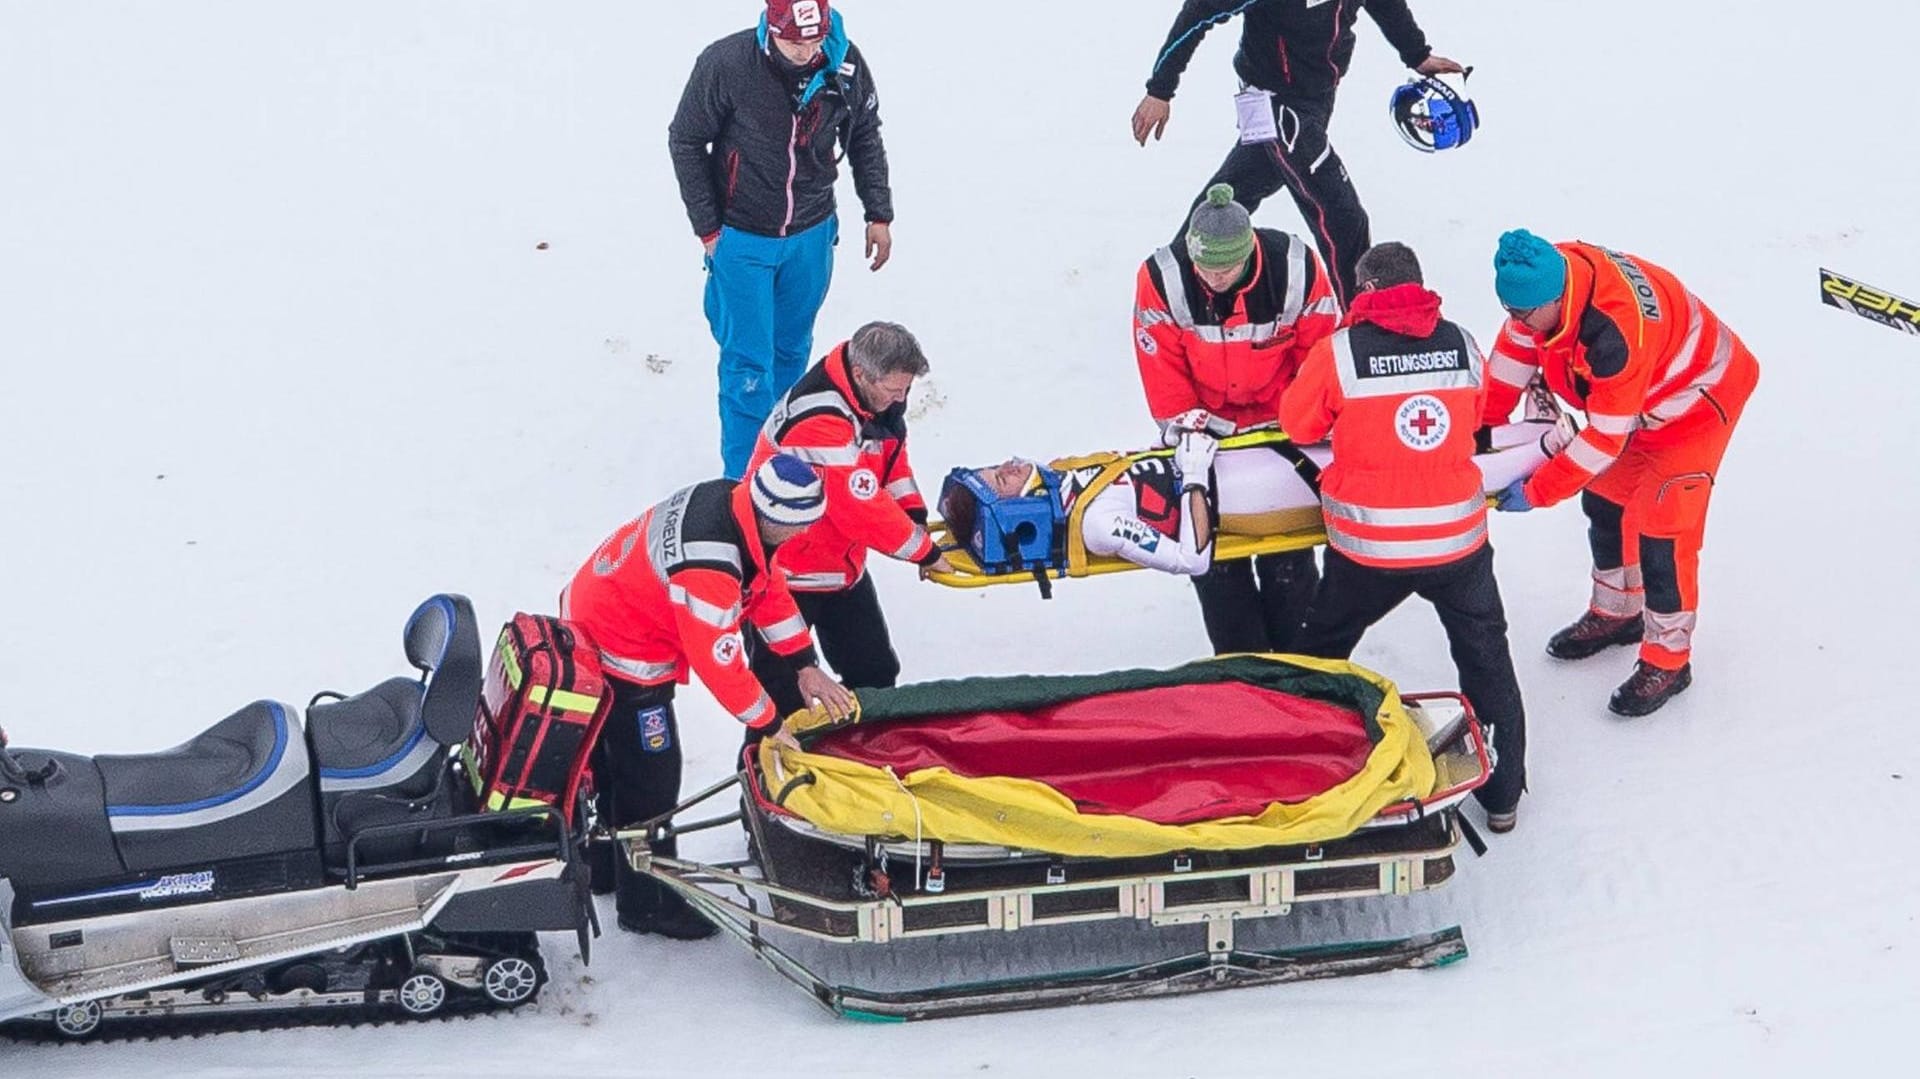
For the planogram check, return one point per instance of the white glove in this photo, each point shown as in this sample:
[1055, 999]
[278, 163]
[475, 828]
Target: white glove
[1194, 419]
[1193, 459]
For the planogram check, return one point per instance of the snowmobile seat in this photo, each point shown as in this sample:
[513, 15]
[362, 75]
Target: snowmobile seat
[57, 799]
[237, 791]
[382, 754]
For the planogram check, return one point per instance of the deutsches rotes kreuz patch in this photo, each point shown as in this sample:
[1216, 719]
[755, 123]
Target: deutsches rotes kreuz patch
[655, 736]
[1422, 422]
[1146, 342]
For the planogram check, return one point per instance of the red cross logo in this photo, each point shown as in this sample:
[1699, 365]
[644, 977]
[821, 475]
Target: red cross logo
[1423, 423]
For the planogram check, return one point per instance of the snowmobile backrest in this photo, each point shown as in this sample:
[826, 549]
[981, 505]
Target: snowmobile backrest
[443, 641]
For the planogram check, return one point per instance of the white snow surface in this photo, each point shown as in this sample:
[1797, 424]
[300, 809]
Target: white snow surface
[283, 357]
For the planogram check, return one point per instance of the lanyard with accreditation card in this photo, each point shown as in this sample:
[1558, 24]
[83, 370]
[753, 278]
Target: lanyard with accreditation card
[1254, 107]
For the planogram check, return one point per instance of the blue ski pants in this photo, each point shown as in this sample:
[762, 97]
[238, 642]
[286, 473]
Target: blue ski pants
[762, 295]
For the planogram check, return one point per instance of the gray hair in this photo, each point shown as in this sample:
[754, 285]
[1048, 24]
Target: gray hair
[886, 348]
[1388, 264]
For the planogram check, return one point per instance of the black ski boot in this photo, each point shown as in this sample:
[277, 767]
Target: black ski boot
[1648, 688]
[1592, 634]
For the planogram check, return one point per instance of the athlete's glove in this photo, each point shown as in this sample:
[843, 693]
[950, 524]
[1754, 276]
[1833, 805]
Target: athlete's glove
[1193, 459]
[1194, 419]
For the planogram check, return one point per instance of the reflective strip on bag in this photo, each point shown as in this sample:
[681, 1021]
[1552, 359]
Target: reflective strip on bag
[565, 700]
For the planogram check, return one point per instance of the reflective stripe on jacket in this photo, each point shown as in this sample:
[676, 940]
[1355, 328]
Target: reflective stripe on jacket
[1401, 391]
[1635, 349]
[1232, 356]
[667, 594]
[872, 498]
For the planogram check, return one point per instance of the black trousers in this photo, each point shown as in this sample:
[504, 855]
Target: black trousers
[1257, 604]
[1353, 597]
[637, 768]
[1304, 163]
[851, 631]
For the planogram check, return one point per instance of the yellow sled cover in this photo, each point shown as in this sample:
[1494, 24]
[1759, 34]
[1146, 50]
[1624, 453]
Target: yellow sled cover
[1233, 753]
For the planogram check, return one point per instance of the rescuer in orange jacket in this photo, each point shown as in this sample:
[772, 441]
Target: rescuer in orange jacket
[1402, 390]
[1220, 326]
[847, 418]
[1663, 382]
[667, 594]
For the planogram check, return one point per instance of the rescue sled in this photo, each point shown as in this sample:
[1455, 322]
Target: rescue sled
[269, 868]
[1029, 539]
[1212, 795]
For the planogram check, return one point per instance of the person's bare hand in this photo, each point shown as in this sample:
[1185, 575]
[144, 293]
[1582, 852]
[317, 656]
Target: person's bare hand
[822, 692]
[783, 737]
[879, 244]
[939, 565]
[709, 245]
[1439, 65]
[1151, 119]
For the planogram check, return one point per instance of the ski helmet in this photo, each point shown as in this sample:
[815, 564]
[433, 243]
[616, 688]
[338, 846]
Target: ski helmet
[1431, 115]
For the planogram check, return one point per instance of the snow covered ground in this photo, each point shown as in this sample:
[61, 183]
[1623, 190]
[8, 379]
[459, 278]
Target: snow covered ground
[282, 357]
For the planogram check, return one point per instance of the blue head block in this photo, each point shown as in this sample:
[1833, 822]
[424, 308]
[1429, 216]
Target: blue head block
[1013, 534]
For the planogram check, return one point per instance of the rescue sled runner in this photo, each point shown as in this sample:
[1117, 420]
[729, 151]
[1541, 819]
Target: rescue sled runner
[268, 869]
[1209, 795]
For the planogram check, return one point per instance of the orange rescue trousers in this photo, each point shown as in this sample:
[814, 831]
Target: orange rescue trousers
[1647, 517]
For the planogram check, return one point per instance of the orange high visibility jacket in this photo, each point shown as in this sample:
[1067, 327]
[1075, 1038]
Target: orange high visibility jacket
[1231, 356]
[1635, 349]
[666, 594]
[1402, 391]
[872, 499]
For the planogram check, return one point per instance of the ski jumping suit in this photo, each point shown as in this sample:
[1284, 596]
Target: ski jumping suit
[1232, 354]
[664, 595]
[1402, 391]
[1297, 50]
[753, 146]
[872, 502]
[1663, 382]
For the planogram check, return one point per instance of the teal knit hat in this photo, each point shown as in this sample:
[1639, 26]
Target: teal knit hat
[1528, 271]
[1220, 233]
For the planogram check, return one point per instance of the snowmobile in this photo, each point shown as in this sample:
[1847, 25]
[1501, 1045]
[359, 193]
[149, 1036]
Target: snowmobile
[269, 871]
[1214, 795]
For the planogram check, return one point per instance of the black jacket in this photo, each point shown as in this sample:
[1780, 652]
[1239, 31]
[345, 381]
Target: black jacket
[749, 156]
[1298, 49]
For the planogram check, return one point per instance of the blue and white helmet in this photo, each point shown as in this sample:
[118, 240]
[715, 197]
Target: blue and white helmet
[1431, 115]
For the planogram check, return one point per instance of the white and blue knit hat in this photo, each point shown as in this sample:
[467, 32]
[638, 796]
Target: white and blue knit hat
[787, 491]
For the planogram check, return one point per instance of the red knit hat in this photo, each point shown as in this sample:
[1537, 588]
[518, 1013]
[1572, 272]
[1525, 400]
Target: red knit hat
[798, 20]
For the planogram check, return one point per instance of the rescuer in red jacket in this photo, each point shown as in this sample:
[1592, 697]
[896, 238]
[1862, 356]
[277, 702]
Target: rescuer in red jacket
[1221, 323]
[1663, 382]
[847, 418]
[668, 594]
[1401, 391]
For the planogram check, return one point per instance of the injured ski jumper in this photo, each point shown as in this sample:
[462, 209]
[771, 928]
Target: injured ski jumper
[1663, 382]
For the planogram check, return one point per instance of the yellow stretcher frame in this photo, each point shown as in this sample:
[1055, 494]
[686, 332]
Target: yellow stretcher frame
[1228, 546]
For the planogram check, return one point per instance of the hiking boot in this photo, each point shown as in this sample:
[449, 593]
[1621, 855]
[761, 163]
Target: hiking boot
[1502, 823]
[1593, 634]
[1648, 688]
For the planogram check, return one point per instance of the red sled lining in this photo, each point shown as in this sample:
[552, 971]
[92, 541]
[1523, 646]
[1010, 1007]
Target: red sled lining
[1171, 754]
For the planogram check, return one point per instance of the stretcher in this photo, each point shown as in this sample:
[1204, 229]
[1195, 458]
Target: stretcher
[1107, 804]
[1288, 527]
